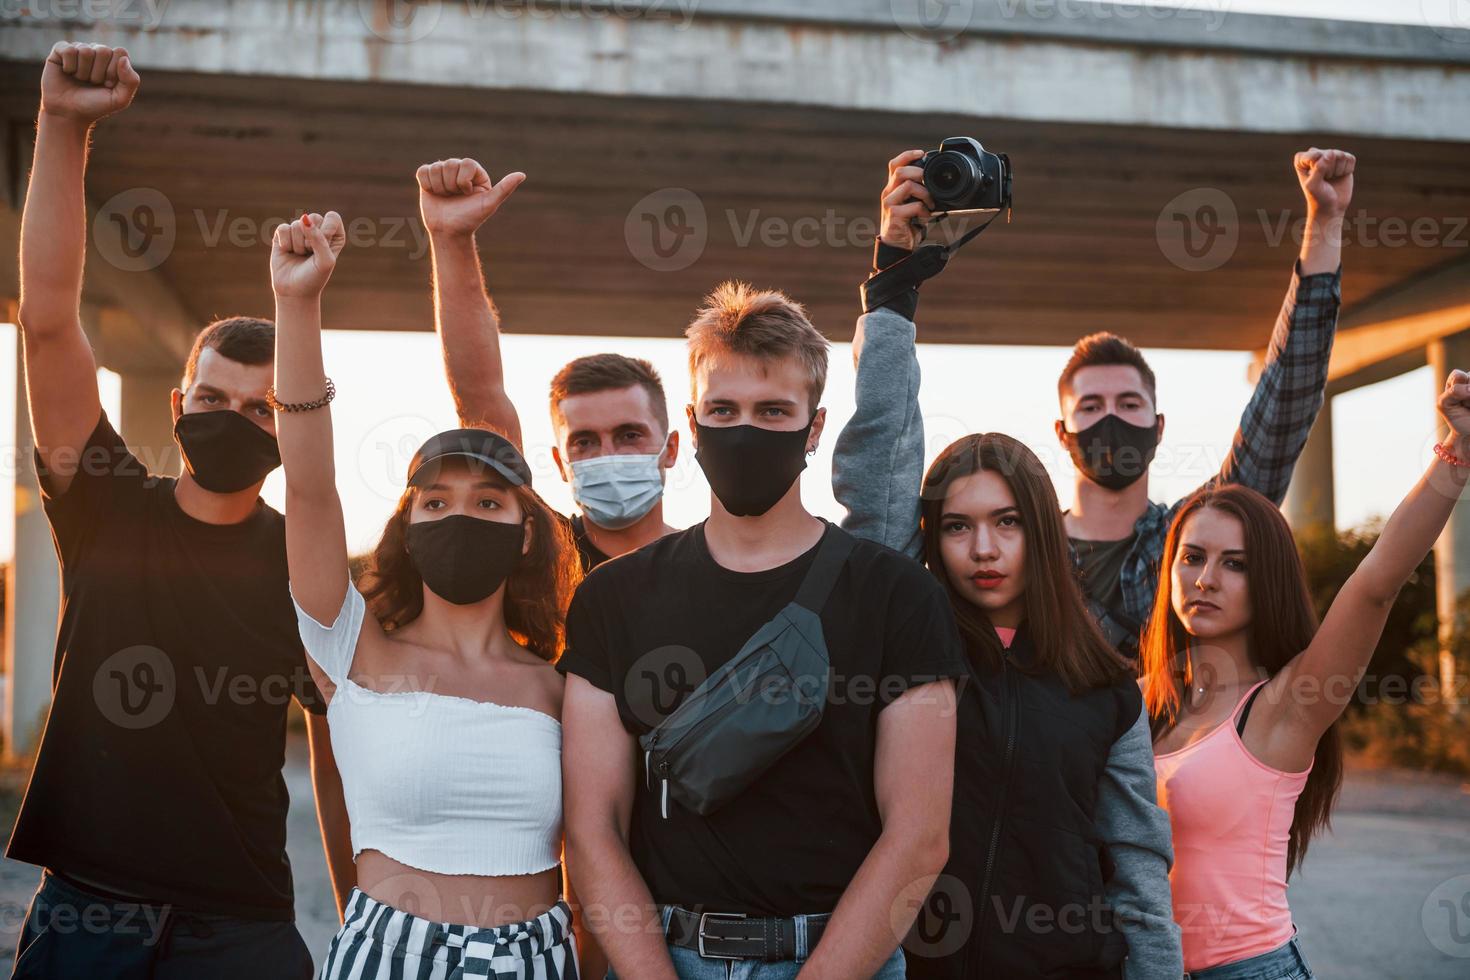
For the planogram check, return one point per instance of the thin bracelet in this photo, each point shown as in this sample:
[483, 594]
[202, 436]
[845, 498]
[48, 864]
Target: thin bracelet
[280, 406]
[1449, 457]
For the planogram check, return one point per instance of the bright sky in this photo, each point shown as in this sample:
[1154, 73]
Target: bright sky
[392, 396]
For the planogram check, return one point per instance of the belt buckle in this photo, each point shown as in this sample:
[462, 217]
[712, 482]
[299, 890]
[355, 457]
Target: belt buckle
[703, 916]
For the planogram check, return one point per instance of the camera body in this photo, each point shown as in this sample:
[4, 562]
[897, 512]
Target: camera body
[964, 176]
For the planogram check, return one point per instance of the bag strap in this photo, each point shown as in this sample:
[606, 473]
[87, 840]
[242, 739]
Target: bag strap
[821, 578]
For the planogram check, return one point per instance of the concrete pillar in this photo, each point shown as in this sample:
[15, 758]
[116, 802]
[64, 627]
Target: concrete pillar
[32, 594]
[1452, 550]
[1310, 499]
[147, 424]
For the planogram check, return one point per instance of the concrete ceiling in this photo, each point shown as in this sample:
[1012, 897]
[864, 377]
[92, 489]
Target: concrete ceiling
[230, 155]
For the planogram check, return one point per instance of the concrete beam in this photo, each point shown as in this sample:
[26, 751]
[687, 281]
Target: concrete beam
[1011, 60]
[1311, 498]
[1388, 334]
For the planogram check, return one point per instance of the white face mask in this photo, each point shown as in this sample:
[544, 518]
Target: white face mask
[616, 491]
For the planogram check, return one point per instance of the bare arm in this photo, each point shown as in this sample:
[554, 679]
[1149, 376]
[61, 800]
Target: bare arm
[914, 781]
[80, 84]
[1312, 691]
[599, 766]
[455, 197]
[331, 810]
[303, 255]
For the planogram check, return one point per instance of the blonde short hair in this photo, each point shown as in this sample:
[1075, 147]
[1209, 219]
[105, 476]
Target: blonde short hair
[762, 323]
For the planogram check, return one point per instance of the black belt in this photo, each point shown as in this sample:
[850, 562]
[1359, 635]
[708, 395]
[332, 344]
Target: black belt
[728, 936]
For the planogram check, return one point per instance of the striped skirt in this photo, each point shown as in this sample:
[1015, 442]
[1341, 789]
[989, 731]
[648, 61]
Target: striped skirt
[379, 942]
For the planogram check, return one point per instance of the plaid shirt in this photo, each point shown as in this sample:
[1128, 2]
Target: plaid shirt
[1273, 427]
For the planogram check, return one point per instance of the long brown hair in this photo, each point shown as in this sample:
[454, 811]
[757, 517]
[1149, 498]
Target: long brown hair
[537, 592]
[1282, 625]
[1067, 641]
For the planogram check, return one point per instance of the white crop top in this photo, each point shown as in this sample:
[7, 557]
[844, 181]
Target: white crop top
[440, 783]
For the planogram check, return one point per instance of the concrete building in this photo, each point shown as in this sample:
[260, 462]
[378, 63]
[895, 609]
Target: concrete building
[674, 143]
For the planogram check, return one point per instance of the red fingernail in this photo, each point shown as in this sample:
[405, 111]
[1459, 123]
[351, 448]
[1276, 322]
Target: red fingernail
[306, 220]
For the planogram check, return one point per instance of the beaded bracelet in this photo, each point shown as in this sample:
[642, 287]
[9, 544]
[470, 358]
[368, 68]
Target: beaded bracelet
[1449, 457]
[280, 406]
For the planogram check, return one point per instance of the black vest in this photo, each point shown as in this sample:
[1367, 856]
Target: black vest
[1022, 895]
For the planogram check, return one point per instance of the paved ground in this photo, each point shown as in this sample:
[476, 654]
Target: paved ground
[1385, 897]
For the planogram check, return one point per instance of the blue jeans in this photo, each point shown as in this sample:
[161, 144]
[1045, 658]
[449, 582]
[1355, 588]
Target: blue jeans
[1286, 962]
[691, 966]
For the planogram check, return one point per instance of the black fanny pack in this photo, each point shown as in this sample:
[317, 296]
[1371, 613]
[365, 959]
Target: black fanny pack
[755, 708]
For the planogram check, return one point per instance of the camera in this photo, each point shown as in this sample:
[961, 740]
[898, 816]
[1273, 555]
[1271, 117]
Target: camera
[963, 176]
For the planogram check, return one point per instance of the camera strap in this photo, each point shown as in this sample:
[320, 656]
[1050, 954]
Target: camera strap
[924, 262]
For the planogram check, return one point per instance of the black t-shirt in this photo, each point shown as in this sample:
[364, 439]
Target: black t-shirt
[159, 771]
[650, 626]
[1102, 569]
[591, 555]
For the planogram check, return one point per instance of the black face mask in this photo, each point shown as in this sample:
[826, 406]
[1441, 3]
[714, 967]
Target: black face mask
[1113, 453]
[464, 559]
[224, 451]
[750, 468]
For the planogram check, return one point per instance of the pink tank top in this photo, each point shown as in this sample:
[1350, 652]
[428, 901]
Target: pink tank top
[1231, 816]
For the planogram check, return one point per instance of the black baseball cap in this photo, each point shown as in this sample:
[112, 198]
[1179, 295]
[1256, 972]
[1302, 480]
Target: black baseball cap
[488, 448]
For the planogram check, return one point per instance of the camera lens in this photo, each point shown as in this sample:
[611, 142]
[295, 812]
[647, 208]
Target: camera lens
[951, 178]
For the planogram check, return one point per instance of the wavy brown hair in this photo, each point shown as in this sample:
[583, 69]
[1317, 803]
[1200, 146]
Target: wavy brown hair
[1283, 622]
[537, 592]
[1067, 641]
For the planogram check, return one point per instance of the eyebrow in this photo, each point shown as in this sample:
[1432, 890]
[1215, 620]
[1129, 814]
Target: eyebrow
[1227, 551]
[1122, 394]
[763, 403]
[998, 512]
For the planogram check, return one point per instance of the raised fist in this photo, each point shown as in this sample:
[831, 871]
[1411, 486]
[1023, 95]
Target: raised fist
[1454, 405]
[1327, 180]
[87, 81]
[304, 253]
[456, 196]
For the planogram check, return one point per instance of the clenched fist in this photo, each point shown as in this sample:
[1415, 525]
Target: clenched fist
[87, 81]
[304, 253]
[905, 203]
[1327, 181]
[456, 196]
